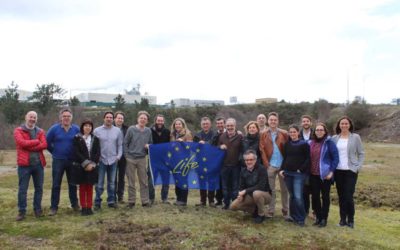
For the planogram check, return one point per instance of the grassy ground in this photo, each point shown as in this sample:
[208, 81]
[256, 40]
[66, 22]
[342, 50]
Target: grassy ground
[168, 227]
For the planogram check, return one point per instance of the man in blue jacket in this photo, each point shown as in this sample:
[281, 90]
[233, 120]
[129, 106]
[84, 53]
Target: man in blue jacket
[60, 144]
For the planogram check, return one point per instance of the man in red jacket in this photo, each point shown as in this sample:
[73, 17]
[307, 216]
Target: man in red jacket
[30, 141]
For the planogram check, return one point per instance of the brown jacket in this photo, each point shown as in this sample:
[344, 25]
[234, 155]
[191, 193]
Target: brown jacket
[267, 147]
[185, 135]
[234, 145]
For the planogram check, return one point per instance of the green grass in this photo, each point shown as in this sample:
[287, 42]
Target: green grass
[168, 227]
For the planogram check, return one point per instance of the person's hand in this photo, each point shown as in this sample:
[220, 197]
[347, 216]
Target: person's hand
[202, 142]
[223, 147]
[179, 139]
[329, 176]
[146, 146]
[282, 174]
[242, 193]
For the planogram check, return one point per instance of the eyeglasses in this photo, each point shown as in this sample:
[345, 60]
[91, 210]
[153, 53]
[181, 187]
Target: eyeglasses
[250, 159]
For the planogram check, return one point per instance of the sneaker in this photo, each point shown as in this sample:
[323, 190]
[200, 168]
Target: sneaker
[130, 205]
[53, 212]
[38, 213]
[289, 219]
[225, 207]
[212, 205]
[317, 222]
[342, 223]
[180, 203]
[269, 215]
[259, 219]
[89, 211]
[323, 223]
[165, 202]
[350, 225]
[76, 208]
[200, 204]
[113, 205]
[300, 223]
[120, 201]
[20, 217]
[84, 212]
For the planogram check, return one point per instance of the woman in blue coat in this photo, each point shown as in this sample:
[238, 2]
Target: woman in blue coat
[324, 160]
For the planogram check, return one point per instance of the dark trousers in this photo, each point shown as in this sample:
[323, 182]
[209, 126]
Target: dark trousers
[181, 194]
[58, 169]
[120, 179]
[24, 175]
[230, 176]
[346, 184]
[165, 184]
[204, 194]
[320, 192]
[306, 194]
[218, 194]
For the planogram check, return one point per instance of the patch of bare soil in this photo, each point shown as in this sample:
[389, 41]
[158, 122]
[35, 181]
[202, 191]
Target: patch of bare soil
[25, 242]
[234, 240]
[128, 235]
[379, 195]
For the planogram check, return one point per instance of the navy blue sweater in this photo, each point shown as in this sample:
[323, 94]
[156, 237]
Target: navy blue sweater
[296, 156]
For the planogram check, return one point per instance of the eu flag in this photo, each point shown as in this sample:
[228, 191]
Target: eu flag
[189, 165]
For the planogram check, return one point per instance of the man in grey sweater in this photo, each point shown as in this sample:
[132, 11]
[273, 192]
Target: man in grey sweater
[136, 143]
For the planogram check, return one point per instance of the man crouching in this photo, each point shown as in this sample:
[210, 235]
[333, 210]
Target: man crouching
[254, 192]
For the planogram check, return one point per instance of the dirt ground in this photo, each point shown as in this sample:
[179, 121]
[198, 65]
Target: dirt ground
[128, 235]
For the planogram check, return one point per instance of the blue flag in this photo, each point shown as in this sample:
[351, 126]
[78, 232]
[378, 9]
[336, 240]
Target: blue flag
[189, 165]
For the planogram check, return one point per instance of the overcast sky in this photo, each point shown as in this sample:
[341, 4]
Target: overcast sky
[291, 50]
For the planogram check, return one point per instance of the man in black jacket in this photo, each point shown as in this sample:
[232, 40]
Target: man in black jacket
[255, 191]
[119, 119]
[160, 134]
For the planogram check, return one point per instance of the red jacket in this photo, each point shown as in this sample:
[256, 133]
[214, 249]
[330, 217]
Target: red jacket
[25, 145]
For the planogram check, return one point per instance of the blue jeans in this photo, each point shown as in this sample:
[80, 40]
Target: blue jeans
[230, 176]
[24, 175]
[295, 185]
[58, 169]
[111, 171]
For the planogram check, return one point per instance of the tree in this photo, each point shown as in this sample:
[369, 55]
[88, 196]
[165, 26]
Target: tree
[74, 101]
[47, 96]
[359, 112]
[10, 105]
[119, 102]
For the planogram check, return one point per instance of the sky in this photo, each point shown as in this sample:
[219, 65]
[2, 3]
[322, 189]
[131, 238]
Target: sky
[290, 50]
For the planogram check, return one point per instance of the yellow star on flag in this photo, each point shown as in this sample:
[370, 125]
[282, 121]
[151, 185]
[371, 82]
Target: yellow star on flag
[194, 182]
[176, 181]
[204, 159]
[187, 147]
[205, 169]
[169, 154]
[198, 150]
[184, 186]
[176, 148]
[201, 176]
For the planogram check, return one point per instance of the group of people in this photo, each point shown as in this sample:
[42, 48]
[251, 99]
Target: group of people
[306, 162]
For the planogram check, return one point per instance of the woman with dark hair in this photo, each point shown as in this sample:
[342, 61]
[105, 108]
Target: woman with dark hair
[351, 158]
[87, 152]
[324, 160]
[295, 166]
[251, 141]
[180, 133]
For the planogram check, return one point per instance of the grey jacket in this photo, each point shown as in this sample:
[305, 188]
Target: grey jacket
[355, 151]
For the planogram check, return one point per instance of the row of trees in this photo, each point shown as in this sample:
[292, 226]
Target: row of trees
[47, 97]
